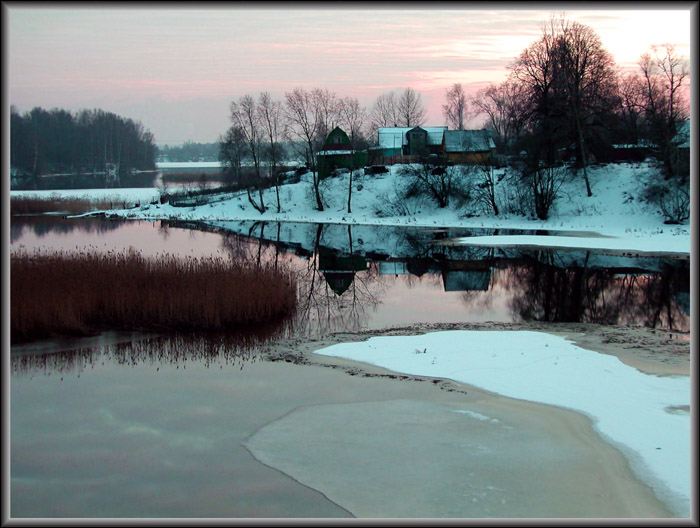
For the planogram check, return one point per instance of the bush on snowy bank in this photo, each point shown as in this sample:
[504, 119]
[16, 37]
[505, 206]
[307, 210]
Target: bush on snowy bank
[672, 197]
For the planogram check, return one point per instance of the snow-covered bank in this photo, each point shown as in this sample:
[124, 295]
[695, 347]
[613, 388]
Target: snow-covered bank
[615, 211]
[646, 416]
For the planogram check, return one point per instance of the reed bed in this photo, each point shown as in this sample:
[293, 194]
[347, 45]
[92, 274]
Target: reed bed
[29, 206]
[75, 294]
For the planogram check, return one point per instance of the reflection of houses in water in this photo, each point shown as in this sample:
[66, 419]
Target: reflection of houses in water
[393, 267]
[466, 275]
[466, 280]
[339, 270]
[456, 275]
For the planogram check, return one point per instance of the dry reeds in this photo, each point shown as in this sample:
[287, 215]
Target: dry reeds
[73, 294]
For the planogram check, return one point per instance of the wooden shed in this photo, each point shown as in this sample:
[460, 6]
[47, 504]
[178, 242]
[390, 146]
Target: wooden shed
[337, 153]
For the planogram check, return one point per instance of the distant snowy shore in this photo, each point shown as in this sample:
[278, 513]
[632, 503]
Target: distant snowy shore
[614, 218]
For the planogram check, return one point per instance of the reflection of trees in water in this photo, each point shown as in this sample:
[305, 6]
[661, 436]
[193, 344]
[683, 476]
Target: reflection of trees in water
[51, 225]
[235, 348]
[661, 293]
[255, 248]
[544, 291]
[321, 308]
[482, 300]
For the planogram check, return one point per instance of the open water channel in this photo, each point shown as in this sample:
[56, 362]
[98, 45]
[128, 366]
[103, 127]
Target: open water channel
[134, 425]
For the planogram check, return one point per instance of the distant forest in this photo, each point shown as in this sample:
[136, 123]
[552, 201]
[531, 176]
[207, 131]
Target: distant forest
[60, 142]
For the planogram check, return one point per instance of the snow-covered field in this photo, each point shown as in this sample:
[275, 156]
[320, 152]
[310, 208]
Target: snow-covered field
[646, 416]
[613, 218]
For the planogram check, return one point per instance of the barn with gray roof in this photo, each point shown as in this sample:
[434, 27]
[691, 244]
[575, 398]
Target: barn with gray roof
[468, 146]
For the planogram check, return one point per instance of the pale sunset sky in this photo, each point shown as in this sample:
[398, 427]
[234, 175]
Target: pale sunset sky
[176, 68]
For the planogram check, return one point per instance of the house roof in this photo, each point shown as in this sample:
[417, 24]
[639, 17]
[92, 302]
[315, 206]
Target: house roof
[468, 141]
[395, 137]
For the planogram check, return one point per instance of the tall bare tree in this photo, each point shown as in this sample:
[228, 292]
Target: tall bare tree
[304, 119]
[504, 107]
[455, 108]
[245, 116]
[232, 149]
[535, 70]
[632, 105]
[384, 113]
[353, 118]
[329, 109]
[271, 119]
[410, 107]
[570, 81]
[664, 73]
[588, 75]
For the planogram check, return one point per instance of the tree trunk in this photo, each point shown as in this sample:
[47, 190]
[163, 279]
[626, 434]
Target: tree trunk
[582, 153]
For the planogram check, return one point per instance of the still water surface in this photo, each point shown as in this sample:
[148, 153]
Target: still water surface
[139, 426]
[354, 278]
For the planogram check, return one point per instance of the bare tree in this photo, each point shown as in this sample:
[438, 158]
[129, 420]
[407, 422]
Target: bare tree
[455, 109]
[664, 74]
[384, 113]
[411, 110]
[570, 81]
[535, 70]
[544, 183]
[353, 117]
[486, 188]
[329, 109]
[245, 116]
[631, 109]
[588, 76]
[436, 179]
[232, 147]
[304, 118]
[504, 107]
[270, 115]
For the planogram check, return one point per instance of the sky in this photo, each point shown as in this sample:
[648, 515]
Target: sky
[176, 69]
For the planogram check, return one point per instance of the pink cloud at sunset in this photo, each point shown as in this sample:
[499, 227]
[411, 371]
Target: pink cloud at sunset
[154, 64]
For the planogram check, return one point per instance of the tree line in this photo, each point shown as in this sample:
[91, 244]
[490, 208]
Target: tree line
[565, 92]
[564, 97]
[57, 141]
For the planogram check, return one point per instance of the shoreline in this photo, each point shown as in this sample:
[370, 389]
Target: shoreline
[647, 350]
[651, 351]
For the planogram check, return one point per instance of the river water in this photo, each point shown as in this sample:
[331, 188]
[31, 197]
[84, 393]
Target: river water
[134, 425]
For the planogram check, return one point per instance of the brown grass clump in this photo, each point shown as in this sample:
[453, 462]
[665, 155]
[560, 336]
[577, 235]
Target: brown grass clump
[75, 294]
